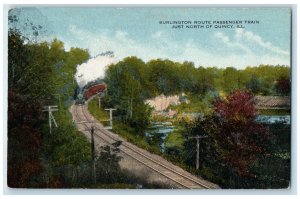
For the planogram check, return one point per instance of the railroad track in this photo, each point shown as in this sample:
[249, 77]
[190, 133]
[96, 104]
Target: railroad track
[154, 162]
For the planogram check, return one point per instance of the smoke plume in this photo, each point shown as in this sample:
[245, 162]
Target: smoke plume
[93, 69]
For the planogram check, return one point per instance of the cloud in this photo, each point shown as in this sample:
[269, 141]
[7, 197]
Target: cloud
[232, 50]
[225, 39]
[252, 37]
[119, 42]
[157, 35]
[256, 51]
[205, 58]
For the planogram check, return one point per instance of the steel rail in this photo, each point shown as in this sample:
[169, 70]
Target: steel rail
[147, 157]
[125, 144]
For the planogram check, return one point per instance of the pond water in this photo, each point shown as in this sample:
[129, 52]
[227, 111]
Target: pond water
[271, 119]
[158, 132]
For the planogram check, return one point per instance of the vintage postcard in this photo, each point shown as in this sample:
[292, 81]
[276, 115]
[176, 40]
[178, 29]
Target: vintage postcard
[149, 97]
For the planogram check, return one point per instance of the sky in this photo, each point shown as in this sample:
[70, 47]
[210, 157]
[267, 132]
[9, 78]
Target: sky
[137, 32]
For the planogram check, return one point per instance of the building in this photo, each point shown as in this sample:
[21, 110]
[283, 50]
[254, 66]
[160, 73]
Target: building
[272, 102]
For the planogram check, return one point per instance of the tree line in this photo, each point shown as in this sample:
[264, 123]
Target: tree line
[132, 81]
[167, 77]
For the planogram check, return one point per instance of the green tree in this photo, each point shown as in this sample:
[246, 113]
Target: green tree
[164, 78]
[205, 80]
[126, 91]
[107, 164]
[231, 79]
[28, 85]
[39, 74]
[186, 77]
[24, 141]
[253, 85]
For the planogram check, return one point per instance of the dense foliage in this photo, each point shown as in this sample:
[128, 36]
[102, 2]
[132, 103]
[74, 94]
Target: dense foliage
[283, 85]
[126, 92]
[41, 74]
[238, 138]
[167, 77]
[238, 151]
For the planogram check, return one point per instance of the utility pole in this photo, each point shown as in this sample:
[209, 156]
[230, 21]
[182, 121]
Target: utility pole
[101, 95]
[99, 101]
[51, 109]
[198, 137]
[131, 107]
[93, 154]
[92, 131]
[110, 116]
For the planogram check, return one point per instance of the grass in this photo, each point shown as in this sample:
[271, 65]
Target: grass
[174, 139]
[159, 118]
[128, 134]
[99, 114]
[196, 104]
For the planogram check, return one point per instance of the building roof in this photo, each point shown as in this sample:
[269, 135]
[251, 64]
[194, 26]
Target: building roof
[272, 102]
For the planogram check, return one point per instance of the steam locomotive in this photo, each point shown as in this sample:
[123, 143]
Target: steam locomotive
[88, 91]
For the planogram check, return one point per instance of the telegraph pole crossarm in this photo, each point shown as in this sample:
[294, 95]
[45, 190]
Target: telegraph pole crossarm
[51, 118]
[110, 117]
[198, 137]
